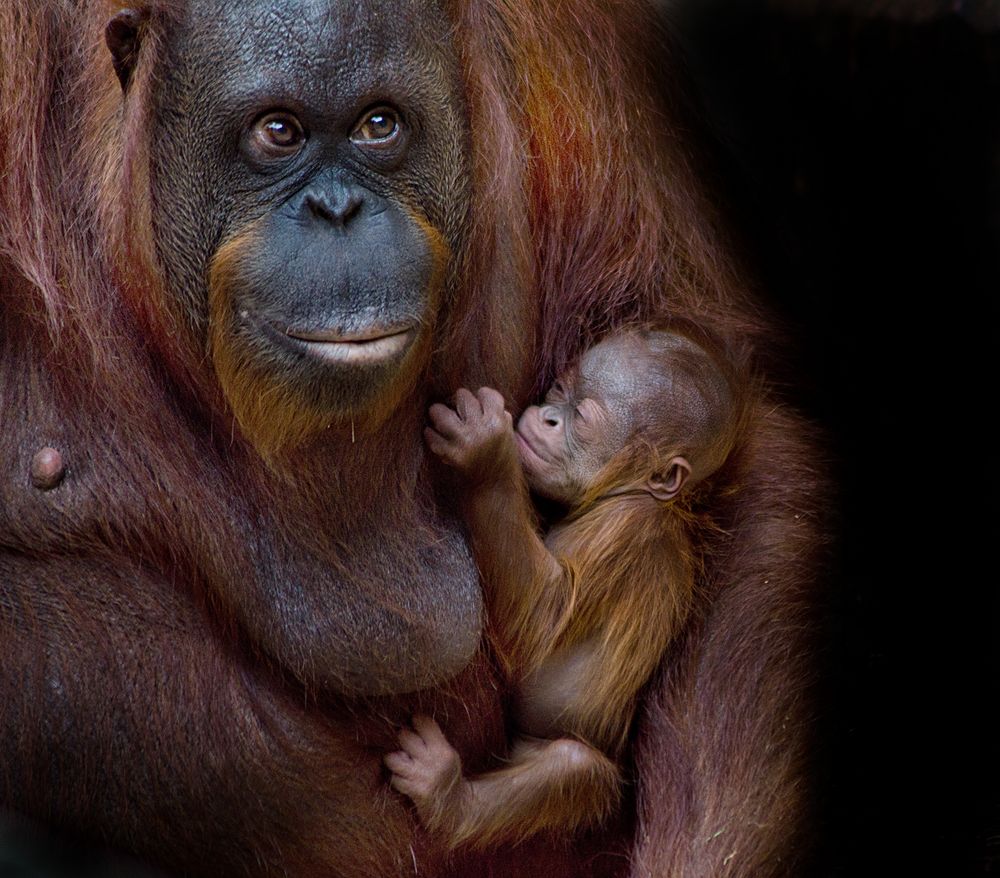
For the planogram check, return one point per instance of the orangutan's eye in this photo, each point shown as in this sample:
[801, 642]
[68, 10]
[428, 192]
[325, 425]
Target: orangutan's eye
[276, 135]
[378, 127]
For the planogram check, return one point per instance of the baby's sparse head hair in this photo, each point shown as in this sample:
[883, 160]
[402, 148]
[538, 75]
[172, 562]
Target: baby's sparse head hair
[692, 402]
[694, 411]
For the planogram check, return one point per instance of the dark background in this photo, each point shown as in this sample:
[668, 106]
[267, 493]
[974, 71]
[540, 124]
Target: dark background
[857, 151]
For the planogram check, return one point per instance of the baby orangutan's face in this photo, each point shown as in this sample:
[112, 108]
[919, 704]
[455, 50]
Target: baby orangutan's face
[586, 418]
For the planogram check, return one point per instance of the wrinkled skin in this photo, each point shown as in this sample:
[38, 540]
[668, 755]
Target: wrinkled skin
[587, 416]
[333, 211]
[655, 387]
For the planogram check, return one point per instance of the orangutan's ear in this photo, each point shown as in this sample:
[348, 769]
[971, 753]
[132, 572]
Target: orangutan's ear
[123, 35]
[666, 486]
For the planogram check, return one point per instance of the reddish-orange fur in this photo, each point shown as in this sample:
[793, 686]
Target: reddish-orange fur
[183, 740]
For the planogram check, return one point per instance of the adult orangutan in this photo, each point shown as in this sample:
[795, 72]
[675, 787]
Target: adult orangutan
[242, 247]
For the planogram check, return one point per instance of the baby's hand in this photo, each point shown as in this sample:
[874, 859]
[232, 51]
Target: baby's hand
[427, 769]
[477, 436]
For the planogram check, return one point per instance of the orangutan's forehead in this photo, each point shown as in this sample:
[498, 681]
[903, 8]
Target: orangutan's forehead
[318, 41]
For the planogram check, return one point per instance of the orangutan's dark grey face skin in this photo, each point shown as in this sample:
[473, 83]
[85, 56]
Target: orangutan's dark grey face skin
[309, 173]
[308, 165]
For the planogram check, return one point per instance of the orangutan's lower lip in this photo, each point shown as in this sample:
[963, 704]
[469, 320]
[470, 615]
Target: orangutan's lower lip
[353, 349]
[526, 449]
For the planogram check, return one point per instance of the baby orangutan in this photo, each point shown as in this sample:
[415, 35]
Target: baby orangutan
[582, 620]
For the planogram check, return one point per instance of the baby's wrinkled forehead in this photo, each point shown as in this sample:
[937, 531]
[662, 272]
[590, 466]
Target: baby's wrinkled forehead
[622, 371]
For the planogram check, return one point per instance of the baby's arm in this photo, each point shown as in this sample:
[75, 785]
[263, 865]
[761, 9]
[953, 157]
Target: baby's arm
[527, 589]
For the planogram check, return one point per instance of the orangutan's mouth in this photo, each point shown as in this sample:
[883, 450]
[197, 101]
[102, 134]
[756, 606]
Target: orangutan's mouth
[375, 345]
[527, 451]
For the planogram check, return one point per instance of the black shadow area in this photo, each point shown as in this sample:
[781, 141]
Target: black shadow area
[859, 160]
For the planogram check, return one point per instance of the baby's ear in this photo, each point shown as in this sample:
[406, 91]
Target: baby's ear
[666, 485]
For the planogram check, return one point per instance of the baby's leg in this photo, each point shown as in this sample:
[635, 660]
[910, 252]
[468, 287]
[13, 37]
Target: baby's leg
[559, 784]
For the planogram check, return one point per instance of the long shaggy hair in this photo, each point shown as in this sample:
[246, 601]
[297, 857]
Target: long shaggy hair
[586, 216]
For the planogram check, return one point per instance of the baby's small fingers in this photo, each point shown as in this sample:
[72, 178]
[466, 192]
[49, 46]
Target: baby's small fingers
[438, 444]
[466, 404]
[412, 743]
[444, 420]
[429, 730]
[398, 762]
[404, 785]
[491, 400]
